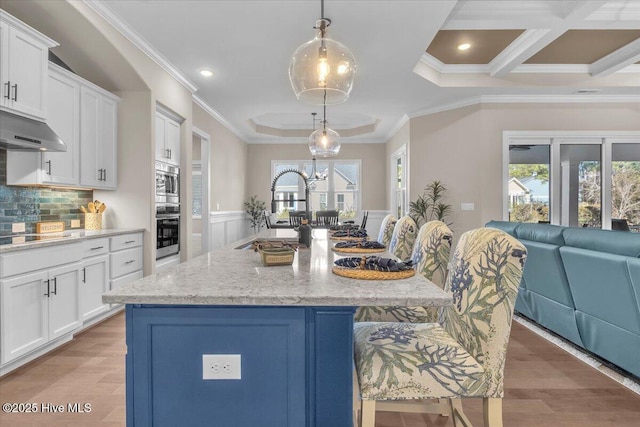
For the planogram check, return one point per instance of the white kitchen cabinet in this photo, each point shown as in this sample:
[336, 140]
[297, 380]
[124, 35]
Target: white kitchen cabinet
[63, 116]
[98, 136]
[167, 138]
[39, 298]
[23, 69]
[126, 258]
[95, 282]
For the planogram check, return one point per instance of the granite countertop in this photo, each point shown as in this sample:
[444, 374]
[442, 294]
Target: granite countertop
[69, 236]
[231, 276]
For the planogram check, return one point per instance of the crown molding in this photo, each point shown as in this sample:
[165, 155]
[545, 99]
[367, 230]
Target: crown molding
[527, 99]
[617, 11]
[552, 69]
[15, 22]
[213, 113]
[394, 130]
[130, 34]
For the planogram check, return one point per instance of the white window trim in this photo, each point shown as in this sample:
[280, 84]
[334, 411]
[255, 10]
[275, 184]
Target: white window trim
[399, 153]
[556, 139]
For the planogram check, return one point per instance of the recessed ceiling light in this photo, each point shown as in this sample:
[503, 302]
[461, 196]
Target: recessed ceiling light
[464, 46]
[206, 73]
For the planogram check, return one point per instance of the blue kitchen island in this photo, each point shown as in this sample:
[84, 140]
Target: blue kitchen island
[289, 328]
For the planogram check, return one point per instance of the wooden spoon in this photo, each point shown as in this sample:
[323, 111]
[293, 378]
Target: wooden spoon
[83, 209]
[92, 207]
[102, 208]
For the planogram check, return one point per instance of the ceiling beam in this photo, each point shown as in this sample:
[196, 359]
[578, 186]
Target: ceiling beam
[617, 60]
[532, 41]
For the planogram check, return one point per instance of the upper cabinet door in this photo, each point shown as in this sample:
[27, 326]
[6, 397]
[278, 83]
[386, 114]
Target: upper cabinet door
[167, 139]
[24, 56]
[63, 116]
[90, 172]
[173, 142]
[107, 151]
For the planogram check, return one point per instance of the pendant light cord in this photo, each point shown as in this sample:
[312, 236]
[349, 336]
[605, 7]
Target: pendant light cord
[322, 9]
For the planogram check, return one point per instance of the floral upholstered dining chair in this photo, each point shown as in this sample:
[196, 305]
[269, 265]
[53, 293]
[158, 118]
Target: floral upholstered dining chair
[404, 236]
[464, 354]
[386, 229]
[430, 257]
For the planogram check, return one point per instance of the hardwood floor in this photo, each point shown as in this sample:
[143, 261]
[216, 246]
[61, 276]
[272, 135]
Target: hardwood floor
[544, 386]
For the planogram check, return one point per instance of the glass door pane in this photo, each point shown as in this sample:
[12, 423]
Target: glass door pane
[528, 188]
[625, 187]
[580, 187]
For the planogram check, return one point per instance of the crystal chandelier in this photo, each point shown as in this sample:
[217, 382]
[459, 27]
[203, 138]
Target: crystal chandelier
[321, 71]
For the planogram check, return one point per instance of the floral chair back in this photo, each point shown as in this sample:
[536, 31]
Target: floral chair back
[431, 257]
[404, 236]
[431, 251]
[485, 274]
[386, 229]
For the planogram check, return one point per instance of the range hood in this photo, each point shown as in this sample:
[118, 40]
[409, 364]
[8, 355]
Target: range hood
[20, 133]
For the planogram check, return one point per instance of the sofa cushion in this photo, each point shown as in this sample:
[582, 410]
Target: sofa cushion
[601, 286]
[615, 242]
[506, 226]
[543, 233]
[544, 273]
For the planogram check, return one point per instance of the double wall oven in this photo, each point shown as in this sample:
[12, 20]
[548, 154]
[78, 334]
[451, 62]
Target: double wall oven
[167, 210]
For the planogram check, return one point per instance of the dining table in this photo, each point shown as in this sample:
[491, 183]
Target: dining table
[281, 337]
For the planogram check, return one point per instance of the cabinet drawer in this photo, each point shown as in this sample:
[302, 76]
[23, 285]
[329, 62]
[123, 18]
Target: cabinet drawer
[125, 262]
[29, 260]
[93, 247]
[121, 281]
[126, 241]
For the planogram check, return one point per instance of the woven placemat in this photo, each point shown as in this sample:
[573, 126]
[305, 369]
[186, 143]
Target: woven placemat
[358, 250]
[357, 273]
[350, 238]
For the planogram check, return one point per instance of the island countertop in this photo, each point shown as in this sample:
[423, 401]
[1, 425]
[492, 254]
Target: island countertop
[231, 276]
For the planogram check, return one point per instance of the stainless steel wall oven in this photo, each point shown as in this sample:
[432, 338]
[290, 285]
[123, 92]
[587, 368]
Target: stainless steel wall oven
[168, 230]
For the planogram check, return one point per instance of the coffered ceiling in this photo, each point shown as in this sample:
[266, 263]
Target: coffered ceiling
[408, 61]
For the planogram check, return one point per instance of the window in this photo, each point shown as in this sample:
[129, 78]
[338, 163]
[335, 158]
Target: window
[196, 181]
[340, 190]
[578, 179]
[399, 182]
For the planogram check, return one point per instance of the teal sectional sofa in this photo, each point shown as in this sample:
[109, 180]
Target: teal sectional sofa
[584, 285]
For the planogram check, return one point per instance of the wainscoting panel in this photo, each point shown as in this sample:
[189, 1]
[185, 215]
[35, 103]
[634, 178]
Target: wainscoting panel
[227, 227]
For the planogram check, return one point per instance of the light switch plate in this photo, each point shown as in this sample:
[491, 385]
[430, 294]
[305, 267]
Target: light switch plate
[17, 227]
[75, 223]
[467, 207]
[221, 367]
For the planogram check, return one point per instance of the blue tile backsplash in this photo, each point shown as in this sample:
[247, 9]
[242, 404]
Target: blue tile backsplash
[34, 204]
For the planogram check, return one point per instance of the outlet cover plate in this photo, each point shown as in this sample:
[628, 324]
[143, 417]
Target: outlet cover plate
[467, 207]
[221, 367]
[75, 223]
[17, 227]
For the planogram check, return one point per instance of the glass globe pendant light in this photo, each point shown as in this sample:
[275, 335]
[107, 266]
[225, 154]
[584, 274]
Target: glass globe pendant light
[324, 142]
[321, 71]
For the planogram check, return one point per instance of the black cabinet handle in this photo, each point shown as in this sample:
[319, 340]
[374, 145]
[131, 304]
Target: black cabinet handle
[48, 294]
[48, 162]
[105, 174]
[55, 286]
[129, 241]
[84, 275]
[15, 92]
[130, 261]
[170, 154]
[8, 85]
[167, 153]
[97, 247]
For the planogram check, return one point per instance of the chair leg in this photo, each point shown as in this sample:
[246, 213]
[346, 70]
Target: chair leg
[457, 414]
[368, 413]
[356, 397]
[492, 410]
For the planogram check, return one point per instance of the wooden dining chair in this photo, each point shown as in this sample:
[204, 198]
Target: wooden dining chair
[403, 238]
[400, 364]
[430, 258]
[296, 217]
[327, 218]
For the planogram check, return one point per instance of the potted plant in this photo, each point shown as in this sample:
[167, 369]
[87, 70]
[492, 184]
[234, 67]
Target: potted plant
[255, 209]
[430, 205]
